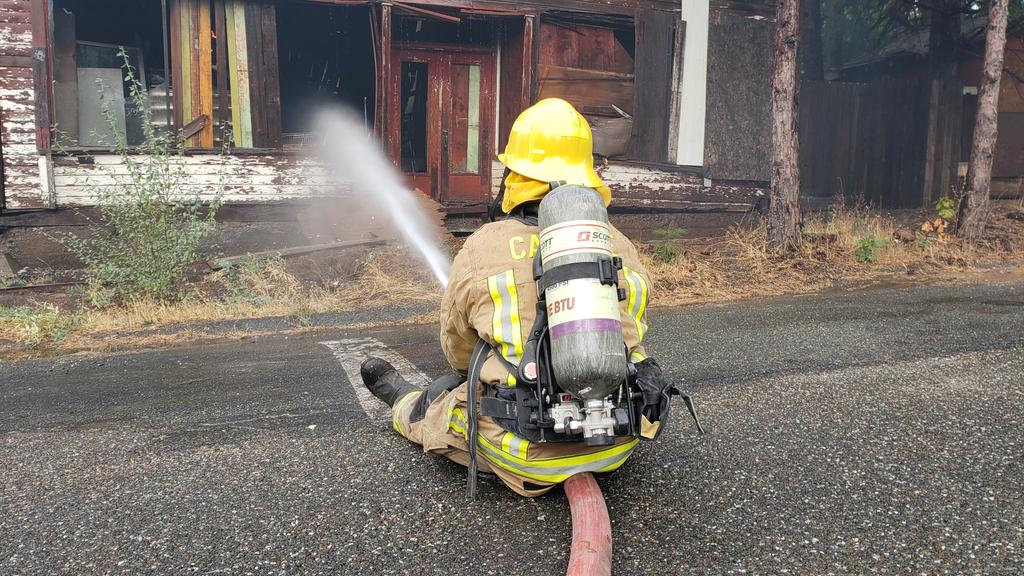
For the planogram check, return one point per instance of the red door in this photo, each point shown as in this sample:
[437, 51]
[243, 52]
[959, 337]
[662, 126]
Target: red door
[442, 106]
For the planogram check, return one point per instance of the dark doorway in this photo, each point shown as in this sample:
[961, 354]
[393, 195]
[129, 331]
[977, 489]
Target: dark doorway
[325, 57]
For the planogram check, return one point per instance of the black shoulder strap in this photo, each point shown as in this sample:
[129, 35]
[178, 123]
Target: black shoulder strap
[606, 270]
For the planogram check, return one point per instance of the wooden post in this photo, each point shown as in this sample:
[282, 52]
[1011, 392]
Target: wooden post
[41, 73]
[811, 53]
[238, 74]
[223, 94]
[528, 47]
[986, 126]
[177, 71]
[384, 79]
[784, 210]
[205, 61]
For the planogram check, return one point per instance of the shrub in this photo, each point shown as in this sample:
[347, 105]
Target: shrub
[665, 252]
[945, 207]
[150, 224]
[868, 247]
[36, 324]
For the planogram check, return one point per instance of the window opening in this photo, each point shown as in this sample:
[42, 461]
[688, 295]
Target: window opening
[88, 70]
[592, 67]
[434, 31]
[414, 116]
[325, 57]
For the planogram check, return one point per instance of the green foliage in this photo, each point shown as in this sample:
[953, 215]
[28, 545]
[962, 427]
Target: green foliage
[37, 324]
[945, 207]
[150, 224]
[868, 247]
[670, 232]
[665, 252]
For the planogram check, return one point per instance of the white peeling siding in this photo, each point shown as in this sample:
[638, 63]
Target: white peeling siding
[22, 186]
[238, 179]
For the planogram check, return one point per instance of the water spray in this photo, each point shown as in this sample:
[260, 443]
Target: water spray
[355, 156]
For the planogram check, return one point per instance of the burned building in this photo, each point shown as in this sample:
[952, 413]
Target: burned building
[677, 93]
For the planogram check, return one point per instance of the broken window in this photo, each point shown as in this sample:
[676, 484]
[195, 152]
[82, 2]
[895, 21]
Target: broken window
[617, 73]
[433, 26]
[92, 40]
[592, 67]
[325, 57]
[413, 100]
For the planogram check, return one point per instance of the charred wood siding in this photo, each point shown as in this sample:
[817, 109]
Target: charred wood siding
[655, 39]
[21, 184]
[738, 137]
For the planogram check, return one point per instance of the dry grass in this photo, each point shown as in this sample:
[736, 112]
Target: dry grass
[847, 247]
[258, 288]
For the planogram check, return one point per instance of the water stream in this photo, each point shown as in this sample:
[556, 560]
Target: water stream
[353, 155]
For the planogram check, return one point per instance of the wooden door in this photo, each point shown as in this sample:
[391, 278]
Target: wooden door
[442, 117]
[415, 93]
[467, 143]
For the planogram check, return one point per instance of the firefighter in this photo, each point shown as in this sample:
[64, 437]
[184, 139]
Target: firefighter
[492, 295]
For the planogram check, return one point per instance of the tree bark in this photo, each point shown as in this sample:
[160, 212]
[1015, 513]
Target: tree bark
[986, 126]
[784, 209]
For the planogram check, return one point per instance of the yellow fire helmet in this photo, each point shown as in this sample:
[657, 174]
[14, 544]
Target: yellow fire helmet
[550, 141]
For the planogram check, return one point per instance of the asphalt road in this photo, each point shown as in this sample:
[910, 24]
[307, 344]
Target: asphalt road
[859, 433]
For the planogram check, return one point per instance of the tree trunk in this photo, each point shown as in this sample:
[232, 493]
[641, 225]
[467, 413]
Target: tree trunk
[784, 209]
[979, 172]
[812, 56]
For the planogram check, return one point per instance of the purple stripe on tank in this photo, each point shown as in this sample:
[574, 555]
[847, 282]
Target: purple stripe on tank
[586, 325]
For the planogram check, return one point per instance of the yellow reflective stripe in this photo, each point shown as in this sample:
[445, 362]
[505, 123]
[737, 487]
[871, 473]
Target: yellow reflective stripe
[456, 421]
[562, 461]
[520, 446]
[637, 302]
[492, 286]
[517, 332]
[635, 357]
[512, 455]
[558, 469]
[506, 325]
[397, 411]
[514, 445]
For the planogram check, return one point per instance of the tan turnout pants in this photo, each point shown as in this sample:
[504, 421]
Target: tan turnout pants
[528, 468]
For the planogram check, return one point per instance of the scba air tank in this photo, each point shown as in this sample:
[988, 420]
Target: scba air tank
[587, 353]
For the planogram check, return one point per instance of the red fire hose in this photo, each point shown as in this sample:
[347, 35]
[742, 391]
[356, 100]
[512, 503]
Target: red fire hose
[591, 553]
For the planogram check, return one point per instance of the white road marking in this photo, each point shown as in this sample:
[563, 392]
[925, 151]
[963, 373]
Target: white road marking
[352, 351]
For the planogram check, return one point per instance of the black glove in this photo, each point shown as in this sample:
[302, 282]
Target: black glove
[657, 394]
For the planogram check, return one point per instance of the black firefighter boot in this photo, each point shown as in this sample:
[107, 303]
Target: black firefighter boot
[384, 381]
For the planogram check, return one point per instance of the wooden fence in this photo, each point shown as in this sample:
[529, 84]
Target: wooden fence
[866, 141]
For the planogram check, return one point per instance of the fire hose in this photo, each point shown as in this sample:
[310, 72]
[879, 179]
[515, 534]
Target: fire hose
[591, 552]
